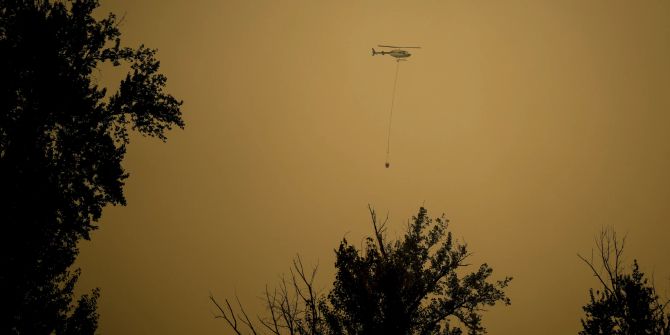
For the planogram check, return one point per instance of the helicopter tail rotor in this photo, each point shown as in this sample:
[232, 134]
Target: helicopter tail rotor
[373, 51]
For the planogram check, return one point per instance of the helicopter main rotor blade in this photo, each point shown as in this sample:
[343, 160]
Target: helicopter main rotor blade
[392, 46]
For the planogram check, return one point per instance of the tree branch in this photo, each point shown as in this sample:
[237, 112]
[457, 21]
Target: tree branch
[378, 230]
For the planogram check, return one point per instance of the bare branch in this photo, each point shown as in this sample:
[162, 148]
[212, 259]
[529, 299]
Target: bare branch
[308, 298]
[610, 250]
[271, 304]
[288, 308]
[596, 273]
[246, 320]
[378, 230]
[232, 323]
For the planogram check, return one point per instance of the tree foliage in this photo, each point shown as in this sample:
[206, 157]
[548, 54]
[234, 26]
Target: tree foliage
[414, 285]
[626, 303]
[62, 141]
[410, 286]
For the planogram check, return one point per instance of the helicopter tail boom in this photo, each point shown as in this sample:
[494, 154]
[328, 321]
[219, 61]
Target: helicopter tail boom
[375, 52]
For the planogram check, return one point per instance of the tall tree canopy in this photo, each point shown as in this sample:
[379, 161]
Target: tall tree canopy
[62, 141]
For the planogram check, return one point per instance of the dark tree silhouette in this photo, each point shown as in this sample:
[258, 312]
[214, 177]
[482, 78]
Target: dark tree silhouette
[411, 286]
[62, 141]
[626, 303]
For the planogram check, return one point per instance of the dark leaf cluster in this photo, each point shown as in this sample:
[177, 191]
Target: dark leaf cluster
[626, 303]
[411, 286]
[630, 306]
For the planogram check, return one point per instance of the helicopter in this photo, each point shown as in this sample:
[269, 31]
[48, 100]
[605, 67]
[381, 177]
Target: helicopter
[397, 52]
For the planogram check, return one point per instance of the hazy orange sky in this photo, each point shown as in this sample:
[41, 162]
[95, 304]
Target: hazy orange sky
[531, 124]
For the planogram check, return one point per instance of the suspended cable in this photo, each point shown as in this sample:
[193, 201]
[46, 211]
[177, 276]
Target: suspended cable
[388, 139]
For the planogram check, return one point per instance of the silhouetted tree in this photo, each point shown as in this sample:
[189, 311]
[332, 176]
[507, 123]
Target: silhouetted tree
[410, 286]
[62, 140]
[626, 303]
